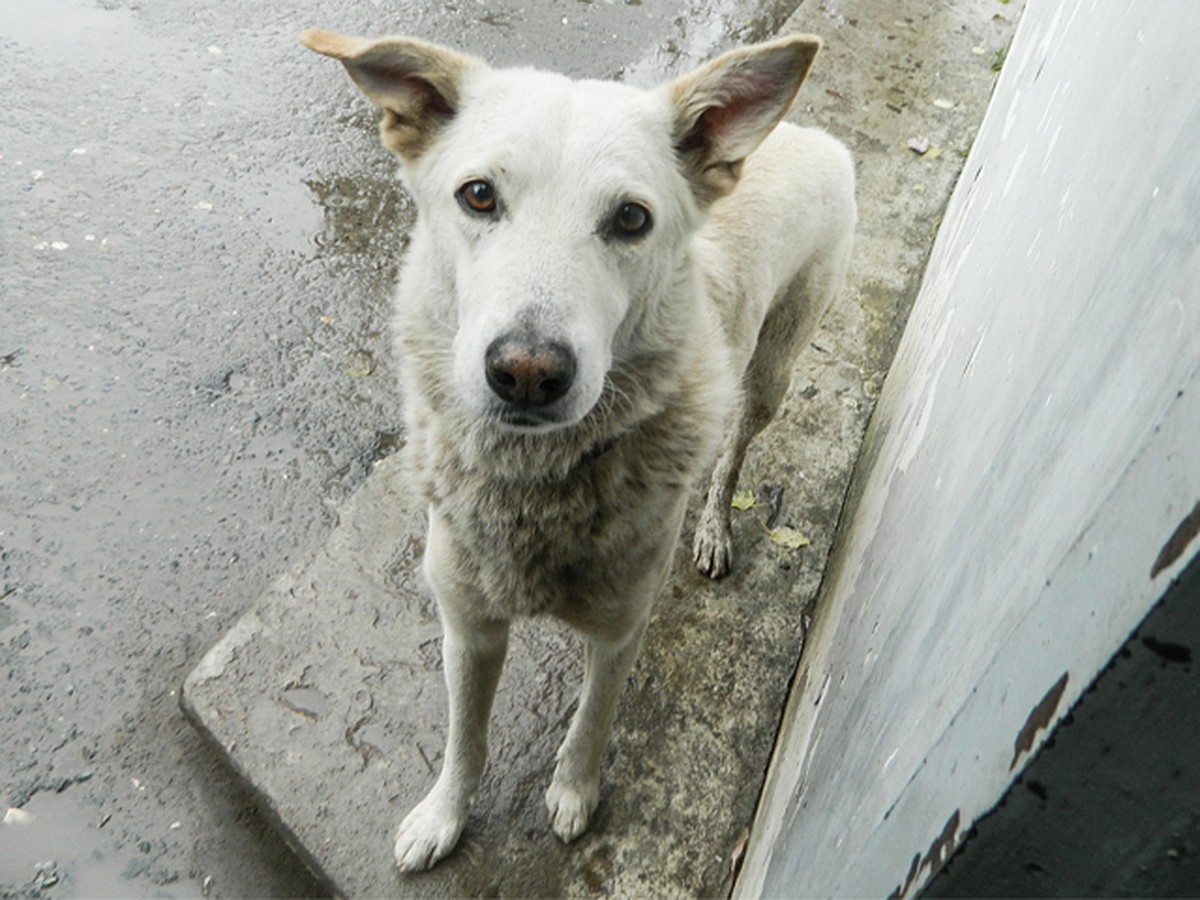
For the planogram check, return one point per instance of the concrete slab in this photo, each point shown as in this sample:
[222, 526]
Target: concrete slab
[327, 697]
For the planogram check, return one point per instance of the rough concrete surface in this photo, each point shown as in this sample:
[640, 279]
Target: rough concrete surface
[327, 695]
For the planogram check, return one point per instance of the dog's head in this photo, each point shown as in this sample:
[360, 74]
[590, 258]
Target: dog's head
[558, 212]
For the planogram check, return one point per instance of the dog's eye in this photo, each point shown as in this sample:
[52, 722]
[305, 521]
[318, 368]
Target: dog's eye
[632, 220]
[478, 196]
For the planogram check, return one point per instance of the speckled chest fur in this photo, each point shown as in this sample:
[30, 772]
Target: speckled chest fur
[549, 523]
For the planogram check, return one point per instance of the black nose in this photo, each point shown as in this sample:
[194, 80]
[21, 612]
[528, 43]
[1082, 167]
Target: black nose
[527, 372]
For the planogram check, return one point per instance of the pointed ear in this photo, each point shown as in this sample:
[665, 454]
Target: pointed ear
[724, 109]
[417, 85]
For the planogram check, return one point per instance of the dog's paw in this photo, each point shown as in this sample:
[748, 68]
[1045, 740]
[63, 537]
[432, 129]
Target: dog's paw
[571, 808]
[712, 550]
[427, 834]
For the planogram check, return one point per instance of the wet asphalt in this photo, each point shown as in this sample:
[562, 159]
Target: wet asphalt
[198, 238]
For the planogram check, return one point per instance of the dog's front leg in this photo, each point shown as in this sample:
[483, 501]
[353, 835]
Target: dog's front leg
[473, 652]
[575, 788]
[712, 549]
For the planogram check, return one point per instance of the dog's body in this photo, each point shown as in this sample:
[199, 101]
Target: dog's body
[588, 314]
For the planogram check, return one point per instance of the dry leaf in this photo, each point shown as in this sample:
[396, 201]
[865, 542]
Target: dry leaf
[744, 500]
[788, 538]
[361, 364]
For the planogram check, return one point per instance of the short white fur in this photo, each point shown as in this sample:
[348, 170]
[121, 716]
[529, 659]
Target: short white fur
[681, 340]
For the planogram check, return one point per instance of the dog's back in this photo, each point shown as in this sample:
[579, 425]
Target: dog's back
[791, 215]
[774, 254]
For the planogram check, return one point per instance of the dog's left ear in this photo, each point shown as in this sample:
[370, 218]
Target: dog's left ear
[417, 85]
[725, 108]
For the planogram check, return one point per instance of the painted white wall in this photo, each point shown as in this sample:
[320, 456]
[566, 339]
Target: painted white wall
[1036, 446]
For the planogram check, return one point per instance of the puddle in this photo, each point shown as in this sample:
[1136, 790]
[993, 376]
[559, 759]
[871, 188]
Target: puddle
[366, 221]
[703, 26]
[57, 845]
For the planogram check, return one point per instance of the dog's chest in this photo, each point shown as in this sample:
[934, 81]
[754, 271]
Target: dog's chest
[531, 546]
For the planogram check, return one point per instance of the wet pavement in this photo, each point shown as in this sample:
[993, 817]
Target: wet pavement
[198, 243]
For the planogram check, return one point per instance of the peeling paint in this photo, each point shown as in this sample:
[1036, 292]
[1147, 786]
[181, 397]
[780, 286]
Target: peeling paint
[943, 845]
[913, 871]
[939, 851]
[1178, 542]
[1039, 719]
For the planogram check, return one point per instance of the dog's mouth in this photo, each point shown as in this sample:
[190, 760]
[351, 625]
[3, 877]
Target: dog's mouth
[525, 421]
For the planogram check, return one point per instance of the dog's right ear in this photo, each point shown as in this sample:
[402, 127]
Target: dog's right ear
[724, 109]
[417, 85]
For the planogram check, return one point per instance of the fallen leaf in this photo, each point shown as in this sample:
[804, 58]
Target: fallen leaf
[788, 538]
[362, 363]
[744, 500]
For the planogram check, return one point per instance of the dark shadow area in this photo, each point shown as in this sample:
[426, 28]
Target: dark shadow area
[1111, 805]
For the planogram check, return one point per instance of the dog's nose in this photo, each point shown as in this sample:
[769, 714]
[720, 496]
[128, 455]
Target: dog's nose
[529, 373]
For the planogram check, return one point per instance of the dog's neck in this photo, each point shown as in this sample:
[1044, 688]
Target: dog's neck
[599, 449]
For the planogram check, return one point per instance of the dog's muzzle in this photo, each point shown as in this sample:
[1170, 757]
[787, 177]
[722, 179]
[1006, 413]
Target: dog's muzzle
[530, 375]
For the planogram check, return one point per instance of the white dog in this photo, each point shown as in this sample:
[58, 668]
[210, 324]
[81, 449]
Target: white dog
[603, 284]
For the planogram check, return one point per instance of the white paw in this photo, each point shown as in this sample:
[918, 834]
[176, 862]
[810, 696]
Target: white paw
[712, 550]
[427, 834]
[571, 808]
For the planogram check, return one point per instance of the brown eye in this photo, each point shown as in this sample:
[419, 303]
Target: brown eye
[478, 196]
[631, 220]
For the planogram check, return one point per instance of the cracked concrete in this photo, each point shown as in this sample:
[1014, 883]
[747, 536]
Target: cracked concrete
[327, 697]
